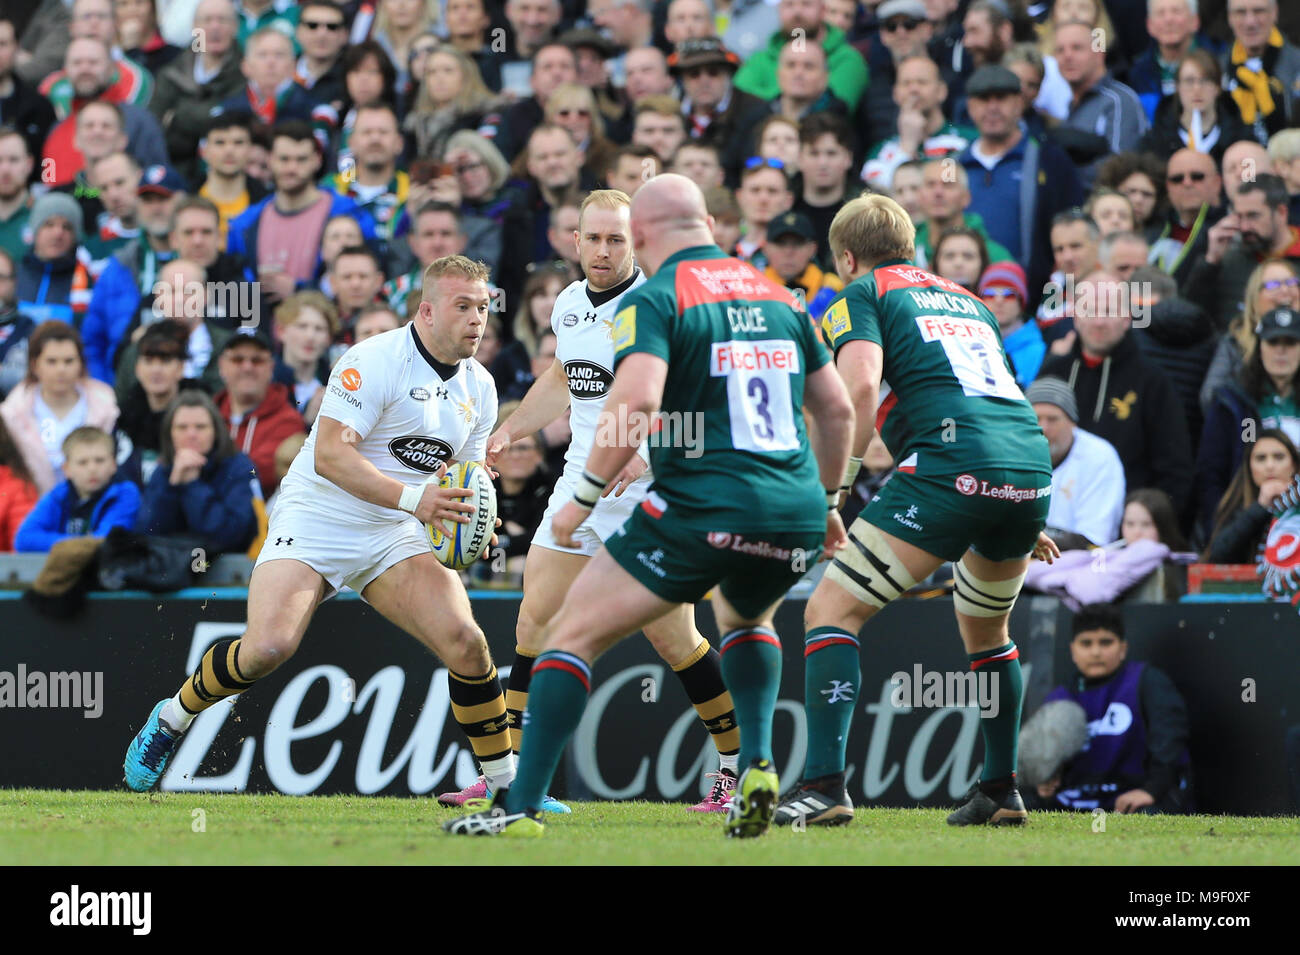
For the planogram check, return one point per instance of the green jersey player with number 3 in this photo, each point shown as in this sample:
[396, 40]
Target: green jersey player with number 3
[923, 362]
[742, 511]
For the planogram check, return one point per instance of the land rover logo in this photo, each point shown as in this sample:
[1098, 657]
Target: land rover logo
[420, 394]
[420, 453]
[587, 380]
[568, 321]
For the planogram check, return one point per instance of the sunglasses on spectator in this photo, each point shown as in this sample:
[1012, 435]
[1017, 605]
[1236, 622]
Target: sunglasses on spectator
[753, 162]
[467, 167]
[999, 293]
[1272, 285]
[1178, 177]
[584, 113]
[697, 71]
[322, 25]
[901, 23]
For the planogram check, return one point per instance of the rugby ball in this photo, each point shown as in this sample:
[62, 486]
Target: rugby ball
[458, 545]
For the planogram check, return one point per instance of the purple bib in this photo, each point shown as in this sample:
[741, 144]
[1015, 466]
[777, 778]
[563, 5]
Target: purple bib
[1114, 758]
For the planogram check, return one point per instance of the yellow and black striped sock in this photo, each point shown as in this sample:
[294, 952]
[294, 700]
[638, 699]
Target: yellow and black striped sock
[701, 676]
[217, 677]
[521, 674]
[480, 708]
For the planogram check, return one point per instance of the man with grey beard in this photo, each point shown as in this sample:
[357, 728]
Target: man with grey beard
[1255, 231]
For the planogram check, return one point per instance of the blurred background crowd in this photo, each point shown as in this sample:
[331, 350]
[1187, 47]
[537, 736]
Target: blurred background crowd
[203, 203]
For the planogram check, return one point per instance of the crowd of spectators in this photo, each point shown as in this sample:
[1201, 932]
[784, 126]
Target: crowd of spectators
[203, 203]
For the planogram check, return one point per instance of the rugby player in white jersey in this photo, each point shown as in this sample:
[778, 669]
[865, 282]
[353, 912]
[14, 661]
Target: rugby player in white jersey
[398, 408]
[583, 321]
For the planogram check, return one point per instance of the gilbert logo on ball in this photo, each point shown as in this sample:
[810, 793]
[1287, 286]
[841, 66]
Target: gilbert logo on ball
[351, 379]
[455, 544]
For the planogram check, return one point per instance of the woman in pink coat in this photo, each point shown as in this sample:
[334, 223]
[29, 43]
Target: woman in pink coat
[57, 397]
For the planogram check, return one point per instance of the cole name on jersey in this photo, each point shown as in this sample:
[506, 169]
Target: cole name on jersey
[407, 412]
[583, 322]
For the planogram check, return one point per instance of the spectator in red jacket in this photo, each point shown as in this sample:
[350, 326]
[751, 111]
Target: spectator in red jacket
[260, 412]
[18, 495]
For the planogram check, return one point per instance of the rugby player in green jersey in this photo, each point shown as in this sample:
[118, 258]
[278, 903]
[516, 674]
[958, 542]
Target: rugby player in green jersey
[924, 365]
[707, 341]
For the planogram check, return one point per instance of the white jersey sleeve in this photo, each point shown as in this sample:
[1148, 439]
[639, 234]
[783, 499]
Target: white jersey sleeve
[358, 390]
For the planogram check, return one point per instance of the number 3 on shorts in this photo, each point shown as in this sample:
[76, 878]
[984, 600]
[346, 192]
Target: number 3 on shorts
[758, 393]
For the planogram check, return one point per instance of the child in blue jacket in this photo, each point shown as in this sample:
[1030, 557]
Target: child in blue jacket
[89, 503]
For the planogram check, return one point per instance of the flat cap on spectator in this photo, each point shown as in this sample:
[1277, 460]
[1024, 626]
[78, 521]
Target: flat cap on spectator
[1005, 275]
[901, 8]
[1054, 391]
[1281, 322]
[992, 81]
[55, 204]
[591, 39]
[791, 223]
[701, 51]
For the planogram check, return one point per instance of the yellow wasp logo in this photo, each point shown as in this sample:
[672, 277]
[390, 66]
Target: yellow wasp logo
[1123, 407]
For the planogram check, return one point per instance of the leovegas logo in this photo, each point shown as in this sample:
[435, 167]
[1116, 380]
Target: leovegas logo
[350, 379]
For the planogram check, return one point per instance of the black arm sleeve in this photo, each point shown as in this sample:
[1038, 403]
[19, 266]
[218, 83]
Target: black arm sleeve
[1239, 535]
[1169, 449]
[1165, 715]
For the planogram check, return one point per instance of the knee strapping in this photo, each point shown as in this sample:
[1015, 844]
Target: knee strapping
[868, 568]
[983, 598]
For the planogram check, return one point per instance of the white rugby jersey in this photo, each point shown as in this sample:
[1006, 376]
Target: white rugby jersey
[409, 412]
[583, 322]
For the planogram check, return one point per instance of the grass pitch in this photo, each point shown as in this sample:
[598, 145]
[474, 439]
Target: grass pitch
[119, 828]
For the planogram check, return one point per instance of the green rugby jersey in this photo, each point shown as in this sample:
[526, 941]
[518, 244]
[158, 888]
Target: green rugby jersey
[949, 403]
[732, 452]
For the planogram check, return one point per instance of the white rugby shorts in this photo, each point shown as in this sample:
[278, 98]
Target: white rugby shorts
[608, 516]
[351, 553]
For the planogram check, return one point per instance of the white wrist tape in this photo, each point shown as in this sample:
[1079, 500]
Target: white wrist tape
[851, 473]
[410, 498]
[589, 489]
